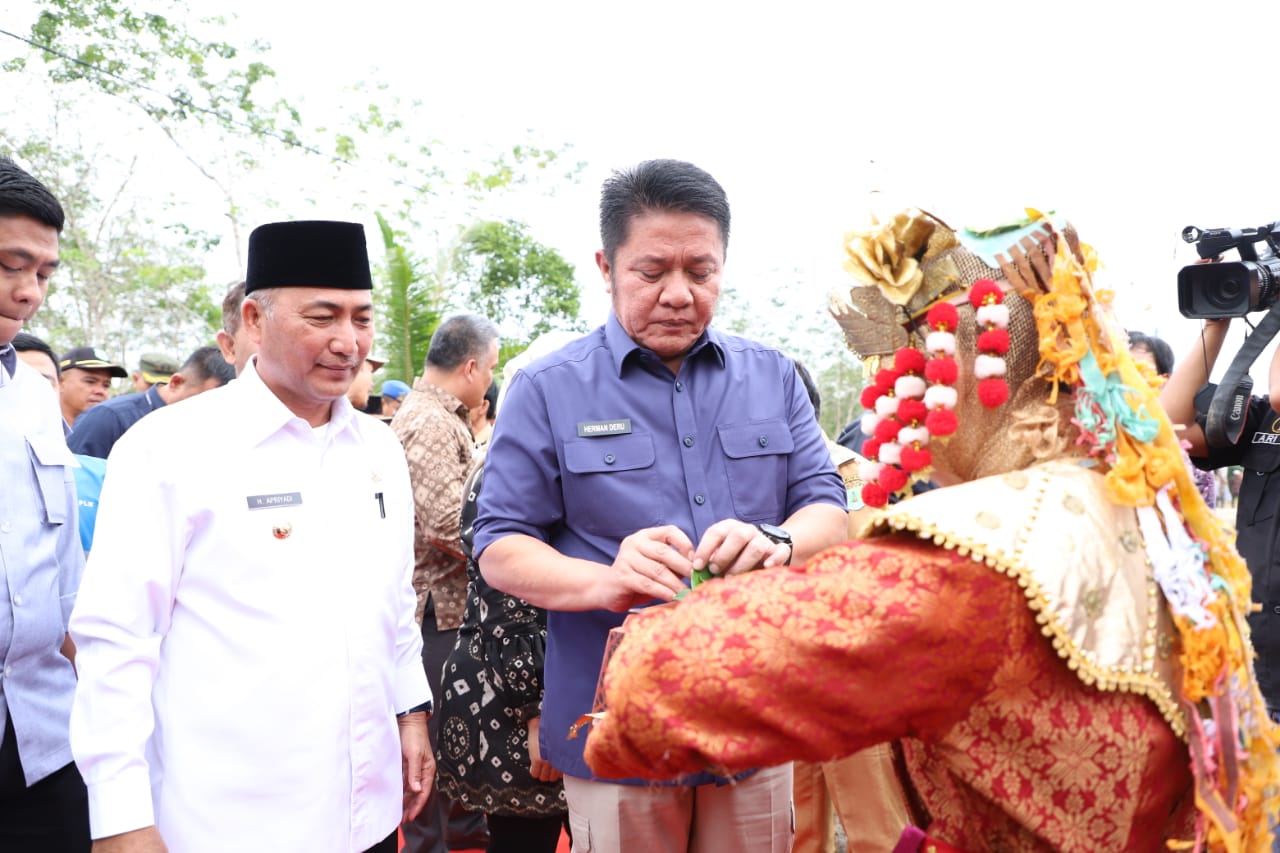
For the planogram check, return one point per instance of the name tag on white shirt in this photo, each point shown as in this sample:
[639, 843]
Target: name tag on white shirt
[274, 501]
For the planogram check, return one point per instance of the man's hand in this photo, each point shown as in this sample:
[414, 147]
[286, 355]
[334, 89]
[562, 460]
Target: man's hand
[730, 547]
[146, 840]
[539, 768]
[416, 762]
[651, 563]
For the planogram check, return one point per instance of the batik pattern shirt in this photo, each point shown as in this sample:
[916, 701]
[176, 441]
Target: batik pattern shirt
[433, 427]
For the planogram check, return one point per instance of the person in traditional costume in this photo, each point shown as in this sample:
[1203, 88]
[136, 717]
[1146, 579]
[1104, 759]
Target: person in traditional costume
[1055, 642]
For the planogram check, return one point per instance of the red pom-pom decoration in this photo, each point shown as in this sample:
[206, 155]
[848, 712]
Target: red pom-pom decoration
[887, 429]
[943, 317]
[892, 478]
[942, 370]
[914, 460]
[869, 396]
[874, 495]
[985, 292]
[908, 360]
[871, 447]
[911, 410]
[994, 341]
[886, 377]
[941, 422]
[993, 392]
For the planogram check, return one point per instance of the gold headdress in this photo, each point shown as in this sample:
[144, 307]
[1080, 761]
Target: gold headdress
[913, 270]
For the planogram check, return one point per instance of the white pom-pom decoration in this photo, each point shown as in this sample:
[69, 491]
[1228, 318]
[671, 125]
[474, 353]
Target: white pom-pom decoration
[939, 395]
[886, 406]
[909, 386]
[994, 315]
[913, 435]
[890, 453]
[869, 471]
[869, 421]
[943, 342]
[987, 366]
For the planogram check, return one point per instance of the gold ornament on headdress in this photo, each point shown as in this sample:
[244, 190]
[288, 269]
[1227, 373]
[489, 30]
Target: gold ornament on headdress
[905, 266]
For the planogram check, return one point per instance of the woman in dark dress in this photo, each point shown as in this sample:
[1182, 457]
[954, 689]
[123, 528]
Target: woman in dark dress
[488, 758]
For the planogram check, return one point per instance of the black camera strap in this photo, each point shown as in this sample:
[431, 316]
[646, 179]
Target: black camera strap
[1225, 420]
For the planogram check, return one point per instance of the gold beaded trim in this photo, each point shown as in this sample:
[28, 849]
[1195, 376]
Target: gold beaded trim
[1142, 680]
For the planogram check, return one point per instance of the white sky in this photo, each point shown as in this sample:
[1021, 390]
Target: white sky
[1132, 119]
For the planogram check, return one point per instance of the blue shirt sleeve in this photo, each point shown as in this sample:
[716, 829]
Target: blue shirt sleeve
[95, 432]
[812, 476]
[522, 472]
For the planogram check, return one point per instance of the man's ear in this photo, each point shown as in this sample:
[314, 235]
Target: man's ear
[175, 389]
[227, 345]
[605, 270]
[252, 315]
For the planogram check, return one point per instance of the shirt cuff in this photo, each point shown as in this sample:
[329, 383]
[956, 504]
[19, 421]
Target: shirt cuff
[121, 804]
[411, 688]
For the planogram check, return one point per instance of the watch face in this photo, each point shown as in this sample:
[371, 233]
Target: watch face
[777, 534]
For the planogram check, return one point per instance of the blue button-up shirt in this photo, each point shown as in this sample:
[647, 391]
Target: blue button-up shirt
[98, 428]
[40, 565]
[601, 439]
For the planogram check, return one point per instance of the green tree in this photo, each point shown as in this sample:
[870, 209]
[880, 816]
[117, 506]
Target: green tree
[165, 62]
[410, 310]
[217, 103]
[124, 285]
[523, 286]
[210, 98]
[786, 319]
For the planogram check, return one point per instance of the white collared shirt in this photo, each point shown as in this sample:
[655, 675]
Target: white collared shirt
[249, 596]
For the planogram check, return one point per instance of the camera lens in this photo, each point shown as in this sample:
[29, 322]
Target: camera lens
[1225, 293]
[1216, 290]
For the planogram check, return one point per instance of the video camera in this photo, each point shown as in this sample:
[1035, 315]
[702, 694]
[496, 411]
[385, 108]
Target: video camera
[1235, 288]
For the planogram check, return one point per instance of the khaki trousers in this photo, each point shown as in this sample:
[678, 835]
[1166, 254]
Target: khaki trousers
[745, 817]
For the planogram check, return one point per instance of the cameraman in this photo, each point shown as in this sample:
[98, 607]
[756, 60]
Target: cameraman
[1186, 399]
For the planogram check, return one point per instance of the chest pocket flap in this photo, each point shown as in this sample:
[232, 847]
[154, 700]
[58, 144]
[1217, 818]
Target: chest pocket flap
[51, 461]
[756, 459]
[612, 453]
[764, 438]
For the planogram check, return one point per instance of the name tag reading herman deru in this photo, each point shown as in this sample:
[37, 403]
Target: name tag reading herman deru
[596, 429]
[277, 500]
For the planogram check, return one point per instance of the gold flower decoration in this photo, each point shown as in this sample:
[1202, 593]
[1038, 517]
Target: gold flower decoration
[888, 255]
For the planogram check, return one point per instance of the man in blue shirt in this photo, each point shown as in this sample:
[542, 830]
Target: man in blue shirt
[651, 448]
[97, 430]
[43, 805]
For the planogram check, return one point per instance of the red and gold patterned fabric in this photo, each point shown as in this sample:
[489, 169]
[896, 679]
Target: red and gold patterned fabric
[898, 639]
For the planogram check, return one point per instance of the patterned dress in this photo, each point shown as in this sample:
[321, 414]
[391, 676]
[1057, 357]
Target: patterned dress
[492, 688]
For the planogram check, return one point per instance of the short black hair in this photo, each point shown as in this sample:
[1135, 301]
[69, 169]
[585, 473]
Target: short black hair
[1159, 349]
[491, 394]
[809, 386]
[23, 195]
[658, 186]
[27, 342]
[459, 338]
[207, 363]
